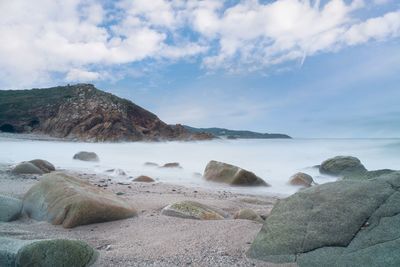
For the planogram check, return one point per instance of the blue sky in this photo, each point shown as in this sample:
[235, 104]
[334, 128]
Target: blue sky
[305, 68]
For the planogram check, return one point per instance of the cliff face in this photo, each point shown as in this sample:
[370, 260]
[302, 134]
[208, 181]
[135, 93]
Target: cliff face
[85, 113]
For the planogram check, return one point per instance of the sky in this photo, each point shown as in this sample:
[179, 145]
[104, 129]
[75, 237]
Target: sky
[307, 68]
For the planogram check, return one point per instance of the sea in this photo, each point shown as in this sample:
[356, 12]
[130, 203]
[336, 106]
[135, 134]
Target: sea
[274, 160]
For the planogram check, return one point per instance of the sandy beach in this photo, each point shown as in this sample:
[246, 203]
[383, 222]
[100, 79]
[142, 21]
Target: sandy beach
[153, 239]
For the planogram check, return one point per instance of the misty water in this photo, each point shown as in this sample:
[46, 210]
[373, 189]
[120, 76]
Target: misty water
[273, 160]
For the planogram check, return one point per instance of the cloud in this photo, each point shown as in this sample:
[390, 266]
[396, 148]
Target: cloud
[77, 75]
[45, 39]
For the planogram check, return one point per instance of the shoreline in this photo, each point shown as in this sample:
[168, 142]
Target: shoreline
[153, 239]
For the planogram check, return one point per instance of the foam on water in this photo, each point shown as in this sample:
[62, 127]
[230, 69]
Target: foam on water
[273, 160]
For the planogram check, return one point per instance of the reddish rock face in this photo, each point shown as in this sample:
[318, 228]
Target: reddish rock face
[86, 113]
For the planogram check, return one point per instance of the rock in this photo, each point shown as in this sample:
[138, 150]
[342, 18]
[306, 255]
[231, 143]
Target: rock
[345, 223]
[10, 208]
[26, 168]
[62, 199]
[368, 175]
[151, 164]
[144, 179]
[302, 179]
[342, 165]
[192, 210]
[230, 174]
[45, 253]
[44, 165]
[86, 156]
[172, 165]
[248, 214]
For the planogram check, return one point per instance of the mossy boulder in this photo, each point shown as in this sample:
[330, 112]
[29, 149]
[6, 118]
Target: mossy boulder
[86, 156]
[368, 174]
[10, 208]
[45, 253]
[248, 214]
[341, 166]
[63, 199]
[193, 210]
[226, 173]
[345, 223]
[26, 168]
[301, 179]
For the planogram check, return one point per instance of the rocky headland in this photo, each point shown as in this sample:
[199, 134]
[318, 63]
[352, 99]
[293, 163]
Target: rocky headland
[83, 112]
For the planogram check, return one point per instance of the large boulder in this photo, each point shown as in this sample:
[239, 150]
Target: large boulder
[225, 173]
[368, 175]
[26, 168]
[62, 199]
[44, 165]
[248, 214]
[342, 165]
[86, 156]
[192, 210]
[10, 208]
[45, 253]
[302, 179]
[345, 223]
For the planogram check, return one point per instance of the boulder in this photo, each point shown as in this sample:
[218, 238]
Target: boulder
[26, 168]
[368, 175]
[248, 214]
[345, 223]
[10, 208]
[341, 166]
[44, 165]
[230, 174]
[62, 199]
[144, 179]
[172, 165]
[45, 253]
[302, 179]
[86, 156]
[192, 210]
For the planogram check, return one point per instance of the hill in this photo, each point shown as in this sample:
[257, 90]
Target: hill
[84, 112]
[233, 134]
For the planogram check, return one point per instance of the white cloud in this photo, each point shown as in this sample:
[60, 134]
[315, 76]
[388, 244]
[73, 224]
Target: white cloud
[45, 37]
[77, 75]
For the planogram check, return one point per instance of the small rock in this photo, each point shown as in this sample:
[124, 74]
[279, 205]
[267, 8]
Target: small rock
[302, 179]
[44, 165]
[26, 168]
[172, 165]
[86, 156]
[248, 214]
[144, 179]
[192, 210]
[151, 164]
